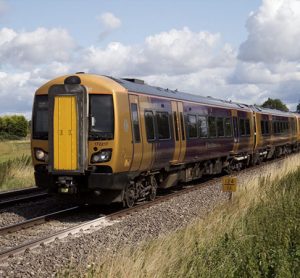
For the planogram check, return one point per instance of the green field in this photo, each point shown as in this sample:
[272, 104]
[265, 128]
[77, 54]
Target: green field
[255, 235]
[16, 169]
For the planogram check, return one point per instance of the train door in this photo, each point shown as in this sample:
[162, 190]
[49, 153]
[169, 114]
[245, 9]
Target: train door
[176, 130]
[182, 135]
[255, 128]
[235, 132]
[137, 155]
[65, 133]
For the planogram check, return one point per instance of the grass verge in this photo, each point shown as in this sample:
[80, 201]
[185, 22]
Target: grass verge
[255, 235]
[16, 170]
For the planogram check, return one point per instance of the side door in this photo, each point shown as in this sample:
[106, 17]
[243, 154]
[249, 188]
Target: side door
[182, 134]
[137, 154]
[235, 133]
[176, 130]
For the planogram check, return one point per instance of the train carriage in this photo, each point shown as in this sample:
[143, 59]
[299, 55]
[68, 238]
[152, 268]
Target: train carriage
[102, 139]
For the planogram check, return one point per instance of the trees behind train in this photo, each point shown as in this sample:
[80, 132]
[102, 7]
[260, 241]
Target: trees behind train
[275, 104]
[298, 108]
[13, 127]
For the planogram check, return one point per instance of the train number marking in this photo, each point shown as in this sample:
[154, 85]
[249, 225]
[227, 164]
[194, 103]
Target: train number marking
[101, 144]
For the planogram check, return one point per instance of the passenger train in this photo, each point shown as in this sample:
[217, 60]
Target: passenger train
[102, 139]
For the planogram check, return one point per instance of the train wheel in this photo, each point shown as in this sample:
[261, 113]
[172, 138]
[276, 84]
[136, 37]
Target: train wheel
[129, 196]
[153, 189]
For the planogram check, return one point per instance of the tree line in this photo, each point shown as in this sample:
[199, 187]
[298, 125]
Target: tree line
[13, 127]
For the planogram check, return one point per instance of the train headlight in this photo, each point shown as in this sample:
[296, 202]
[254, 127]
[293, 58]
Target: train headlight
[41, 155]
[102, 156]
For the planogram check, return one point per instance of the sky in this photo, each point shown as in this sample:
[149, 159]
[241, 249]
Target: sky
[245, 51]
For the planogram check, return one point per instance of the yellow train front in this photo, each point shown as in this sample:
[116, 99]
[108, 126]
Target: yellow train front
[81, 137]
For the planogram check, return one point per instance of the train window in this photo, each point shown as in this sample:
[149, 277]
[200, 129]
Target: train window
[101, 117]
[163, 126]
[40, 118]
[220, 127]
[247, 127]
[182, 126]
[192, 126]
[202, 123]
[242, 127]
[262, 127]
[175, 125]
[228, 127]
[149, 123]
[275, 128]
[267, 127]
[293, 126]
[135, 123]
[212, 127]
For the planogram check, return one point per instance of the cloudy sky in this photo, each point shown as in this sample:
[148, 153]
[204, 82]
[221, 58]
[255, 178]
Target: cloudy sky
[246, 50]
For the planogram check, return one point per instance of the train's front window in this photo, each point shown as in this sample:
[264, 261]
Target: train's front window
[40, 118]
[101, 117]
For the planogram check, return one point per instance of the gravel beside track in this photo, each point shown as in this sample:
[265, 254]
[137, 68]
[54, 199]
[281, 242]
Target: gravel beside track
[79, 250]
[23, 211]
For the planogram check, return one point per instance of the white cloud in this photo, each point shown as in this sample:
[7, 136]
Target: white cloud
[174, 52]
[274, 32]
[109, 21]
[41, 46]
[15, 92]
[6, 35]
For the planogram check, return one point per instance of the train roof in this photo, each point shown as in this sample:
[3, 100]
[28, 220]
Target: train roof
[138, 86]
[274, 112]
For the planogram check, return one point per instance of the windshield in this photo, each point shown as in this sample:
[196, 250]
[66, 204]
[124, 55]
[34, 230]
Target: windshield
[101, 117]
[40, 118]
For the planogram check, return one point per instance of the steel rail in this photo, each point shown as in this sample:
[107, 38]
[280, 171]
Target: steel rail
[18, 192]
[18, 199]
[35, 221]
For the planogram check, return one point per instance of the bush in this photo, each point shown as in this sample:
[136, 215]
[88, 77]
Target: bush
[13, 127]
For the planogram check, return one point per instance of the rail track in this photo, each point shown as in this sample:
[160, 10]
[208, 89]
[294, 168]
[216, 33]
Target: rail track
[96, 223]
[10, 198]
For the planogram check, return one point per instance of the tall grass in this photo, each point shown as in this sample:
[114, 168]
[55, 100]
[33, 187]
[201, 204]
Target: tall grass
[16, 173]
[13, 149]
[16, 170]
[254, 235]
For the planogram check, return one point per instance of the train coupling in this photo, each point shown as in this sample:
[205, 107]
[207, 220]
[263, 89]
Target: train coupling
[66, 185]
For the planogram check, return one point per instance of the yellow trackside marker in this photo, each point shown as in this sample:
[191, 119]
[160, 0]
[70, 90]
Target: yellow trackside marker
[65, 133]
[229, 184]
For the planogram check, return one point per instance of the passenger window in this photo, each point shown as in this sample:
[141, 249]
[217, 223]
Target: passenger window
[135, 123]
[163, 127]
[202, 123]
[175, 125]
[192, 126]
[228, 127]
[267, 127]
[242, 127]
[149, 122]
[182, 125]
[262, 126]
[212, 127]
[247, 127]
[220, 127]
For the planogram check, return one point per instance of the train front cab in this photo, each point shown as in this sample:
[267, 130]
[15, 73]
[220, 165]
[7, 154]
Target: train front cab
[76, 135]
